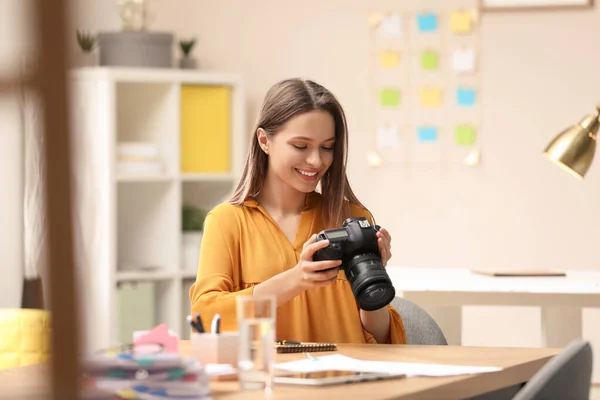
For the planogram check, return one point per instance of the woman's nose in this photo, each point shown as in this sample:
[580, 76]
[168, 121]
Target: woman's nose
[314, 159]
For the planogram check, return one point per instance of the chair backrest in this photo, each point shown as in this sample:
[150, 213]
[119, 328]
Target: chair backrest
[567, 376]
[419, 326]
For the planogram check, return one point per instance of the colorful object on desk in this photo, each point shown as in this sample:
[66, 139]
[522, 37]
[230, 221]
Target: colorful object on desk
[427, 22]
[429, 59]
[461, 21]
[147, 376]
[160, 335]
[465, 97]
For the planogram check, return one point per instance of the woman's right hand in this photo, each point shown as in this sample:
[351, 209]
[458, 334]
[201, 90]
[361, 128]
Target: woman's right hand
[309, 273]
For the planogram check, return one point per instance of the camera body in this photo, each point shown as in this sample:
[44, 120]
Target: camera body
[355, 244]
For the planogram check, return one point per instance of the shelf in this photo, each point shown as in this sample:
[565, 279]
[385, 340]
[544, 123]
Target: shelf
[143, 276]
[206, 177]
[188, 274]
[145, 178]
[131, 221]
[156, 75]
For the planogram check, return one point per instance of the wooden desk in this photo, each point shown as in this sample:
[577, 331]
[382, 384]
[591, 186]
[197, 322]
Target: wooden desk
[520, 365]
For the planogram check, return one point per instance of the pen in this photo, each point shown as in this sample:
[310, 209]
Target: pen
[216, 324]
[288, 342]
[193, 324]
[199, 323]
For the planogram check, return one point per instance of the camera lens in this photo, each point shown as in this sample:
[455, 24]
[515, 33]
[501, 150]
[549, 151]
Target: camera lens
[370, 282]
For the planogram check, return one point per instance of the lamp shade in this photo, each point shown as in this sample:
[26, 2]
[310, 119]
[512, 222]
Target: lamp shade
[573, 149]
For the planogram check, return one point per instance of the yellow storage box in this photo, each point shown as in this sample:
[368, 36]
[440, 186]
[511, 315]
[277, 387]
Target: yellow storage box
[24, 337]
[205, 129]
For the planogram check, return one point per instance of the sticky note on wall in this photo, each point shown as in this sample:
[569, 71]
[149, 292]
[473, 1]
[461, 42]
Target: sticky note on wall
[427, 133]
[463, 60]
[464, 135]
[429, 59]
[430, 97]
[388, 138]
[461, 22]
[427, 22]
[389, 97]
[390, 26]
[389, 59]
[465, 97]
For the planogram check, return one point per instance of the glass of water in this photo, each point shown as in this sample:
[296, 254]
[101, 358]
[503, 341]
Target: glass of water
[256, 325]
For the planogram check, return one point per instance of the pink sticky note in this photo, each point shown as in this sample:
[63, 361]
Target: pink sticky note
[159, 335]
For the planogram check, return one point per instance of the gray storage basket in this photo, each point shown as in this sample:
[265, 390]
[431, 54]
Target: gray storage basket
[136, 49]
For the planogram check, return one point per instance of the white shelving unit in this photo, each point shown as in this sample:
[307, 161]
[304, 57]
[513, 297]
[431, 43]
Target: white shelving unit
[129, 226]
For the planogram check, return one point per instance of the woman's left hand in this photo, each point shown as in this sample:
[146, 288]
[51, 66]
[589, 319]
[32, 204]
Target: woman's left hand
[384, 241]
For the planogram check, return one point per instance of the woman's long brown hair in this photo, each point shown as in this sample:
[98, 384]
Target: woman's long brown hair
[283, 101]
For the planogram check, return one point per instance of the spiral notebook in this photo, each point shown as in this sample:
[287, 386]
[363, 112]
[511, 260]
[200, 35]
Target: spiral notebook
[287, 346]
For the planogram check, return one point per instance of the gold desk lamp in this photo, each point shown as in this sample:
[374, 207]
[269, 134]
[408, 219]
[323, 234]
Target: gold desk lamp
[573, 149]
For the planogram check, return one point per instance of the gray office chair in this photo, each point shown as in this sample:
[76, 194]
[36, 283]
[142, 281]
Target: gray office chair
[567, 376]
[419, 326]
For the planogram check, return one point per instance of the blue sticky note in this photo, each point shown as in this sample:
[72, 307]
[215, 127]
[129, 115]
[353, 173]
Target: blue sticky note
[465, 97]
[427, 133]
[427, 22]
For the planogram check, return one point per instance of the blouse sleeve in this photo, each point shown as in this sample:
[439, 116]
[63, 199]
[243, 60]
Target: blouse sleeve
[215, 288]
[397, 332]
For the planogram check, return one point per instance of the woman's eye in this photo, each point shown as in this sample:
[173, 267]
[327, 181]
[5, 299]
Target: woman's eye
[299, 147]
[327, 148]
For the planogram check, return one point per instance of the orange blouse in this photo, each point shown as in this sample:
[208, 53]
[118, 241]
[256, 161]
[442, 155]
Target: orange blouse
[243, 246]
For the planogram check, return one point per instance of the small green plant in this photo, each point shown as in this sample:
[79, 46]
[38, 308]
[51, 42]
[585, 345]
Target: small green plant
[86, 41]
[187, 46]
[192, 218]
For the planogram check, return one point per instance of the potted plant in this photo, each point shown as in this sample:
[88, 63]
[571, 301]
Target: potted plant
[187, 62]
[87, 45]
[192, 222]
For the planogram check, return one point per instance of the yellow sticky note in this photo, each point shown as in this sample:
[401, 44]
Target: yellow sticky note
[389, 59]
[430, 97]
[461, 21]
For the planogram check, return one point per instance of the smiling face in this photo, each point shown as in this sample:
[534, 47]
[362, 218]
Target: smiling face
[301, 152]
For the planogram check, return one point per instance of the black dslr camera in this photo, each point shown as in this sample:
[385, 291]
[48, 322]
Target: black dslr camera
[356, 245]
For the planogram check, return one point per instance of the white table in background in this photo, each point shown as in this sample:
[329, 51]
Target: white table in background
[443, 292]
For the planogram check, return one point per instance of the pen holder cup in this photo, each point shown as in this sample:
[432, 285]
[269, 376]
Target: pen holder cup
[211, 348]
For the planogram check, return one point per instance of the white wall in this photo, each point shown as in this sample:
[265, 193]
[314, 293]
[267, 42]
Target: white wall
[14, 40]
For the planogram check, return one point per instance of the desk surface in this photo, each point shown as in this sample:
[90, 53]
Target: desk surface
[412, 279]
[520, 365]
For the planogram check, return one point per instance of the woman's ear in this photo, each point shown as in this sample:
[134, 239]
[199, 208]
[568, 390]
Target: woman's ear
[263, 140]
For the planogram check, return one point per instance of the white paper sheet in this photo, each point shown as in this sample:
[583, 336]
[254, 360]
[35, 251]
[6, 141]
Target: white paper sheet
[341, 362]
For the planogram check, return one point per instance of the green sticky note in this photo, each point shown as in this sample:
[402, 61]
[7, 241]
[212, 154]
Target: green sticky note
[464, 135]
[429, 59]
[389, 97]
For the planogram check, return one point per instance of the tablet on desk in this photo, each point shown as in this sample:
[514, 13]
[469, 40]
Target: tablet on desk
[324, 378]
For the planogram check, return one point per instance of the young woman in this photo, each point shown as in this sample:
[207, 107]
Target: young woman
[262, 240]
